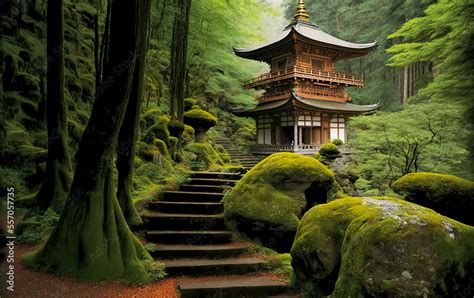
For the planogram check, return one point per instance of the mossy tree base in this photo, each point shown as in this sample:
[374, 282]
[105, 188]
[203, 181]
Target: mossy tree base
[92, 240]
[56, 184]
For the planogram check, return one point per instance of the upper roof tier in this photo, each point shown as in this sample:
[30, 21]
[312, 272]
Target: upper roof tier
[304, 30]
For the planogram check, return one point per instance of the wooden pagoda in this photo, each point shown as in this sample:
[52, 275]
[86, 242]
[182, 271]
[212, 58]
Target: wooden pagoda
[304, 103]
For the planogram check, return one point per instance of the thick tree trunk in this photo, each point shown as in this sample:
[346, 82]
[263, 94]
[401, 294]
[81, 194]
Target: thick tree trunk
[92, 239]
[129, 133]
[179, 52]
[57, 180]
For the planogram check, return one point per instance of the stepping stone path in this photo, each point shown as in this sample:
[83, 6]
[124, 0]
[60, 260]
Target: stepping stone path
[247, 160]
[190, 237]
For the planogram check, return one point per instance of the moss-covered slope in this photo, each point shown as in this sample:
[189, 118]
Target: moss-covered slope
[359, 247]
[267, 202]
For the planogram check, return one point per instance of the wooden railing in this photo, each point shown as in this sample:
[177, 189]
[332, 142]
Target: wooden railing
[303, 149]
[306, 73]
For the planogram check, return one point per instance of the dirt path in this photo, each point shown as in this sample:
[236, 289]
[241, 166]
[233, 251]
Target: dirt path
[30, 283]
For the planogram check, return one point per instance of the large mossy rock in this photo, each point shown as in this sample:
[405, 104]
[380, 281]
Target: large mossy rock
[381, 247]
[268, 201]
[449, 195]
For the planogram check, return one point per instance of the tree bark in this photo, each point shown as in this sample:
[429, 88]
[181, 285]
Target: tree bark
[92, 239]
[129, 133]
[179, 49]
[57, 180]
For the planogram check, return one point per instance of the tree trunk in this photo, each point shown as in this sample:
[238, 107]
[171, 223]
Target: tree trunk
[92, 239]
[405, 85]
[129, 133]
[179, 49]
[57, 180]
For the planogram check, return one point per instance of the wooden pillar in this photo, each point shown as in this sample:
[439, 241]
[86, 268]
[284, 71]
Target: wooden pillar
[295, 131]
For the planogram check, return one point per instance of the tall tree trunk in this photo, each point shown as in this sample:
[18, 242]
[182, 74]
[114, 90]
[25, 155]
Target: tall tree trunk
[92, 239]
[129, 133]
[57, 180]
[179, 52]
[405, 85]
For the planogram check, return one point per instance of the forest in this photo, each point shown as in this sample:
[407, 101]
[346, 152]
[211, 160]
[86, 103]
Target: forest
[137, 155]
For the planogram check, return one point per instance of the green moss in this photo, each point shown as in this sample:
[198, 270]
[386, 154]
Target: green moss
[37, 227]
[176, 128]
[450, 195]
[328, 153]
[201, 121]
[274, 194]
[189, 103]
[199, 118]
[159, 130]
[203, 156]
[358, 247]
[188, 134]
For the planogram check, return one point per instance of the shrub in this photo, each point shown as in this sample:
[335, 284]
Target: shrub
[449, 195]
[338, 142]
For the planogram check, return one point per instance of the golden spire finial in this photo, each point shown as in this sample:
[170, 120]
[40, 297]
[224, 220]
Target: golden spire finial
[301, 13]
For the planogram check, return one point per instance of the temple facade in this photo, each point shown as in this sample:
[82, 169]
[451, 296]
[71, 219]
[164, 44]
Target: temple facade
[304, 103]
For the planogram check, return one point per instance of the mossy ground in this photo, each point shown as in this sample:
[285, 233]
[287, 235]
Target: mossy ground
[380, 246]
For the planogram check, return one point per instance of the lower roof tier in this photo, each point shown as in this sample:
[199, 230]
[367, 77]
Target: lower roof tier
[298, 103]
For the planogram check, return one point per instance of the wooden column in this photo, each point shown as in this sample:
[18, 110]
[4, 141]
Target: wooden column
[295, 131]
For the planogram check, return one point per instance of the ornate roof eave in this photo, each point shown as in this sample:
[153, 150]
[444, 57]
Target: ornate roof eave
[309, 33]
[298, 103]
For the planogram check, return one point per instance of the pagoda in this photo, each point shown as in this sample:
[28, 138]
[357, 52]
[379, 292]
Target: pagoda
[304, 103]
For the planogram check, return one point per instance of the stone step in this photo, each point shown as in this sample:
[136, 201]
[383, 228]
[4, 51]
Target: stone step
[216, 251]
[233, 286]
[233, 265]
[242, 160]
[249, 165]
[189, 237]
[188, 196]
[207, 181]
[202, 188]
[186, 207]
[158, 221]
[216, 175]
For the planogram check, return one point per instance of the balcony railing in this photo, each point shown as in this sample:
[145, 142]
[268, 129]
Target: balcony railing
[301, 149]
[306, 73]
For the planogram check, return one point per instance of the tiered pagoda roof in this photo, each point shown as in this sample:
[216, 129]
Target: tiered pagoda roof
[298, 103]
[302, 29]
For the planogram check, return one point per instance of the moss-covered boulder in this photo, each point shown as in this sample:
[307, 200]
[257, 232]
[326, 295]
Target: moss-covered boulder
[203, 157]
[381, 247]
[159, 130]
[201, 121]
[268, 201]
[189, 103]
[328, 153]
[449, 195]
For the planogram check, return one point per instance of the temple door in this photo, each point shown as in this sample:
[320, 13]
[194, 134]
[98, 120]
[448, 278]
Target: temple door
[316, 135]
[326, 136]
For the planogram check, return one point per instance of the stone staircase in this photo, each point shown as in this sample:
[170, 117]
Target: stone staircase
[190, 237]
[247, 160]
